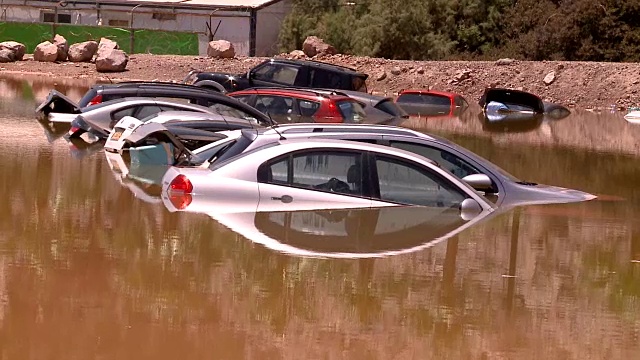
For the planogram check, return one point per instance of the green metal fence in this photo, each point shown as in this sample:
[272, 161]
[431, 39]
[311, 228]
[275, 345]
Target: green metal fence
[144, 41]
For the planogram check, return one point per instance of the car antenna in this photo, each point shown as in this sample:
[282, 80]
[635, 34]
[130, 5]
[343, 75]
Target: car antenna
[274, 126]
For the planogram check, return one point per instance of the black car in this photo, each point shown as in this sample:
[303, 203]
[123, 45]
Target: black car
[101, 93]
[284, 73]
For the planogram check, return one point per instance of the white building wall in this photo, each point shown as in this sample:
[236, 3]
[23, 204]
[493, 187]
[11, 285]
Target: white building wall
[268, 24]
[234, 26]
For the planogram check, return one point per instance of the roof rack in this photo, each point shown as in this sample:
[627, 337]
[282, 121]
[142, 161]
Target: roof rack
[358, 128]
[319, 92]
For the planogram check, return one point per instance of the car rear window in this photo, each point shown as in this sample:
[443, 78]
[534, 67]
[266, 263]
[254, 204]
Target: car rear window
[390, 108]
[351, 111]
[424, 99]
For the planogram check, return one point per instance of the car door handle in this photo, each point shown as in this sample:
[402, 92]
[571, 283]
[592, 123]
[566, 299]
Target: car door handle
[284, 198]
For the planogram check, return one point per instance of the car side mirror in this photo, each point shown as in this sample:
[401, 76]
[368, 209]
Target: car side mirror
[469, 209]
[480, 182]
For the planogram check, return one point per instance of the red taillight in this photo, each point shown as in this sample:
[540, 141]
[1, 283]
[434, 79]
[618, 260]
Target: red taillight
[180, 200]
[182, 184]
[179, 192]
[328, 113]
[96, 100]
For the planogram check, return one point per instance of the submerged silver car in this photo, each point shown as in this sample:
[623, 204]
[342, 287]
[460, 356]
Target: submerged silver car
[497, 185]
[289, 175]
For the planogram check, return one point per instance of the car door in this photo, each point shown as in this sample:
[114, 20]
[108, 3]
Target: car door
[304, 179]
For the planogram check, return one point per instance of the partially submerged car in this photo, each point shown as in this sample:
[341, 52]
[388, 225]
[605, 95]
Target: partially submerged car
[500, 187]
[341, 233]
[100, 119]
[57, 107]
[508, 110]
[285, 73]
[313, 174]
[633, 117]
[431, 103]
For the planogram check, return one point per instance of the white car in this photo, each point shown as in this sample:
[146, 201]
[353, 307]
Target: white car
[290, 175]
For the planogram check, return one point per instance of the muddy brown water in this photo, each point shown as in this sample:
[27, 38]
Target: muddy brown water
[93, 266]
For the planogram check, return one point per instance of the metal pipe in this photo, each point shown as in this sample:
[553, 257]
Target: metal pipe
[132, 30]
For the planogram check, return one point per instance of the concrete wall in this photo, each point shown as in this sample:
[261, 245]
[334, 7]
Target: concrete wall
[268, 24]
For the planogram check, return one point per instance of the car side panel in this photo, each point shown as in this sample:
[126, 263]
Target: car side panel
[282, 198]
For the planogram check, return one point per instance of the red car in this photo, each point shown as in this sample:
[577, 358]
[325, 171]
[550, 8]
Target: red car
[431, 103]
[286, 105]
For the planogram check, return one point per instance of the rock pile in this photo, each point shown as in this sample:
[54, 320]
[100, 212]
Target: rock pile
[108, 56]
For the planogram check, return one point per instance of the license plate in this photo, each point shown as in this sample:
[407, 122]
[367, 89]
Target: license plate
[116, 135]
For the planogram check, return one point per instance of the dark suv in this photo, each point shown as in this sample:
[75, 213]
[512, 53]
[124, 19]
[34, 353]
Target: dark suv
[284, 73]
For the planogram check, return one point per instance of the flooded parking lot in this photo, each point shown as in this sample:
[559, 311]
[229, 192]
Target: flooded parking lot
[93, 265]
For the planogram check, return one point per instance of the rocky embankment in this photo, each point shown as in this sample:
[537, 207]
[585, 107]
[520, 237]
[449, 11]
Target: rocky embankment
[579, 84]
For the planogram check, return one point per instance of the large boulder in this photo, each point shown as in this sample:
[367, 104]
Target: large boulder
[63, 47]
[109, 57]
[6, 56]
[313, 46]
[83, 52]
[15, 47]
[221, 49]
[46, 51]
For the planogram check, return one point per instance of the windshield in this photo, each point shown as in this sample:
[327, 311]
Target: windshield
[484, 162]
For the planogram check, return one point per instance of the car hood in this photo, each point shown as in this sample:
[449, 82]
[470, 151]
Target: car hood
[520, 194]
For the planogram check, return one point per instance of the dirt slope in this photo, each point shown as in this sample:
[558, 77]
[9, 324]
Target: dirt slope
[581, 84]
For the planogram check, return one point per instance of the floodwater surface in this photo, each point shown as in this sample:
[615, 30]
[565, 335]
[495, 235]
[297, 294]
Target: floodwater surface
[93, 265]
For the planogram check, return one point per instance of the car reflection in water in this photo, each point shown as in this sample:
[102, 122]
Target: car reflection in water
[340, 233]
[144, 181]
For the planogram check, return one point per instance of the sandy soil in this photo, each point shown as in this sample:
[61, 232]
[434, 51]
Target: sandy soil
[580, 84]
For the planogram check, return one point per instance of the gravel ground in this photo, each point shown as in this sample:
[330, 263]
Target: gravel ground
[575, 84]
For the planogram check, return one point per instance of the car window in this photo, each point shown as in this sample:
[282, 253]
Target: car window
[275, 105]
[331, 171]
[455, 164]
[117, 115]
[280, 73]
[308, 108]
[244, 98]
[148, 110]
[440, 100]
[406, 183]
[326, 79]
[351, 111]
[409, 98]
[359, 84]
